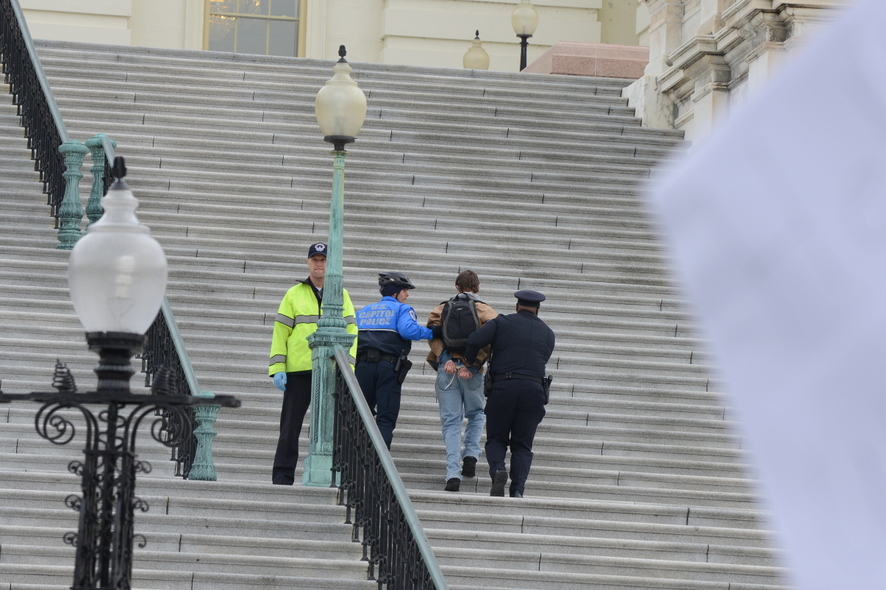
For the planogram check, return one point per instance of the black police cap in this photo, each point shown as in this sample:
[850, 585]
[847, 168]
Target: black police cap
[529, 298]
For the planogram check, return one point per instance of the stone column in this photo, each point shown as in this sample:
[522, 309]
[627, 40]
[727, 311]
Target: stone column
[665, 35]
[711, 97]
[710, 16]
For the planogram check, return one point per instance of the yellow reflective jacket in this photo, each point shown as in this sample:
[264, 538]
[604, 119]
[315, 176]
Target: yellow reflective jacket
[296, 320]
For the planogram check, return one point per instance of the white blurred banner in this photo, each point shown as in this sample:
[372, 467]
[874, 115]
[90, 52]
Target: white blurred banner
[777, 226]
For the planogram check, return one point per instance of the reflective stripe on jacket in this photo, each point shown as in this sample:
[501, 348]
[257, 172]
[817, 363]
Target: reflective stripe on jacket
[297, 319]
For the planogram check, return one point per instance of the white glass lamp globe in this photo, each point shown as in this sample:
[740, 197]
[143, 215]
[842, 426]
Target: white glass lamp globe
[117, 271]
[340, 105]
[476, 57]
[524, 19]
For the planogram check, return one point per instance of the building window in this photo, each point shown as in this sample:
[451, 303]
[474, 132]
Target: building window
[265, 27]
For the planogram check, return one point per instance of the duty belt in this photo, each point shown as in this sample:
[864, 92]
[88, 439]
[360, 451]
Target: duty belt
[501, 376]
[389, 358]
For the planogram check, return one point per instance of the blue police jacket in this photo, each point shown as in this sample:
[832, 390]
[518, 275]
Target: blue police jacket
[389, 326]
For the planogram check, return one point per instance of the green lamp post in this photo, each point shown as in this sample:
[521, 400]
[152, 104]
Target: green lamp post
[340, 109]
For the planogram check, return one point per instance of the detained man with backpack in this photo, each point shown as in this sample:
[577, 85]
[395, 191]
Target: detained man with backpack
[459, 388]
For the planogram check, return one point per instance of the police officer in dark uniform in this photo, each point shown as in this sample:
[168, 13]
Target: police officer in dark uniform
[385, 333]
[521, 346]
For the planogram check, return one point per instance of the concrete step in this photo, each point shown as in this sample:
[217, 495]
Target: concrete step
[198, 553]
[381, 130]
[269, 69]
[284, 144]
[463, 577]
[196, 506]
[283, 106]
[543, 566]
[298, 79]
[239, 563]
[526, 544]
[301, 77]
[193, 544]
[150, 524]
[565, 516]
[49, 575]
[157, 484]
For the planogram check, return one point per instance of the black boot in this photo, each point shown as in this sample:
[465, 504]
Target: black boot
[469, 467]
[498, 483]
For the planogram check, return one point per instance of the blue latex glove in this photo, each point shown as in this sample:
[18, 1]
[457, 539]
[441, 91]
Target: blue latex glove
[280, 381]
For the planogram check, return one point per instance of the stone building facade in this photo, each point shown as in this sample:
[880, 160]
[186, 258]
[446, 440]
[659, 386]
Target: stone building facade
[704, 56]
[411, 32]
[708, 56]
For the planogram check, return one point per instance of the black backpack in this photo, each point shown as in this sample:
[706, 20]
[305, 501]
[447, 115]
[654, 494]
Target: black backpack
[458, 320]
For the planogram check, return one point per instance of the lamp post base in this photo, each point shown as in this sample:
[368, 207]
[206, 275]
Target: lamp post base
[318, 470]
[318, 463]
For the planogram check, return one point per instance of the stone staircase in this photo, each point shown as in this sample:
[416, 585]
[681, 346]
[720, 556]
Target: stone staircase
[533, 181]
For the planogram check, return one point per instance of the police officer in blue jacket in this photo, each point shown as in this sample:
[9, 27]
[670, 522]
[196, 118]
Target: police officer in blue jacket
[385, 333]
[522, 344]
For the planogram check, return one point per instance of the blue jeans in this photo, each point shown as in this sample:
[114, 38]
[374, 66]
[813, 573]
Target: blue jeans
[460, 398]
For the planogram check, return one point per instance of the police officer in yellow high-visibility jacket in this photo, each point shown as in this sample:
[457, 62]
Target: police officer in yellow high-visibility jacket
[290, 364]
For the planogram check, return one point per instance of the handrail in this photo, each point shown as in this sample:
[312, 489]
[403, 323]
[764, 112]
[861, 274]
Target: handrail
[108, 144]
[179, 342]
[44, 128]
[406, 562]
[38, 69]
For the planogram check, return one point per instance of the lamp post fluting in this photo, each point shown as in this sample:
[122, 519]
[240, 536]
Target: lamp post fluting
[524, 19]
[341, 109]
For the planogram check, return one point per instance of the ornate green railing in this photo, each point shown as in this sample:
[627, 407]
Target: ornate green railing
[59, 158]
[70, 212]
[383, 519]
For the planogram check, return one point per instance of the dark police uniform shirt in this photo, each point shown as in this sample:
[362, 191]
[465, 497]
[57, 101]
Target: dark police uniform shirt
[521, 343]
[389, 326]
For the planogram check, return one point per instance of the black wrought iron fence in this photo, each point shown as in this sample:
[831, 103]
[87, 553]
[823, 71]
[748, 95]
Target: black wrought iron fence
[44, 128]
[161, 359]
[378, 506]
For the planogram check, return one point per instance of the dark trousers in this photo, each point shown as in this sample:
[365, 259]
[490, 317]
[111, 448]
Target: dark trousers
[382, 392]
[296, 400]
[514, 410]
